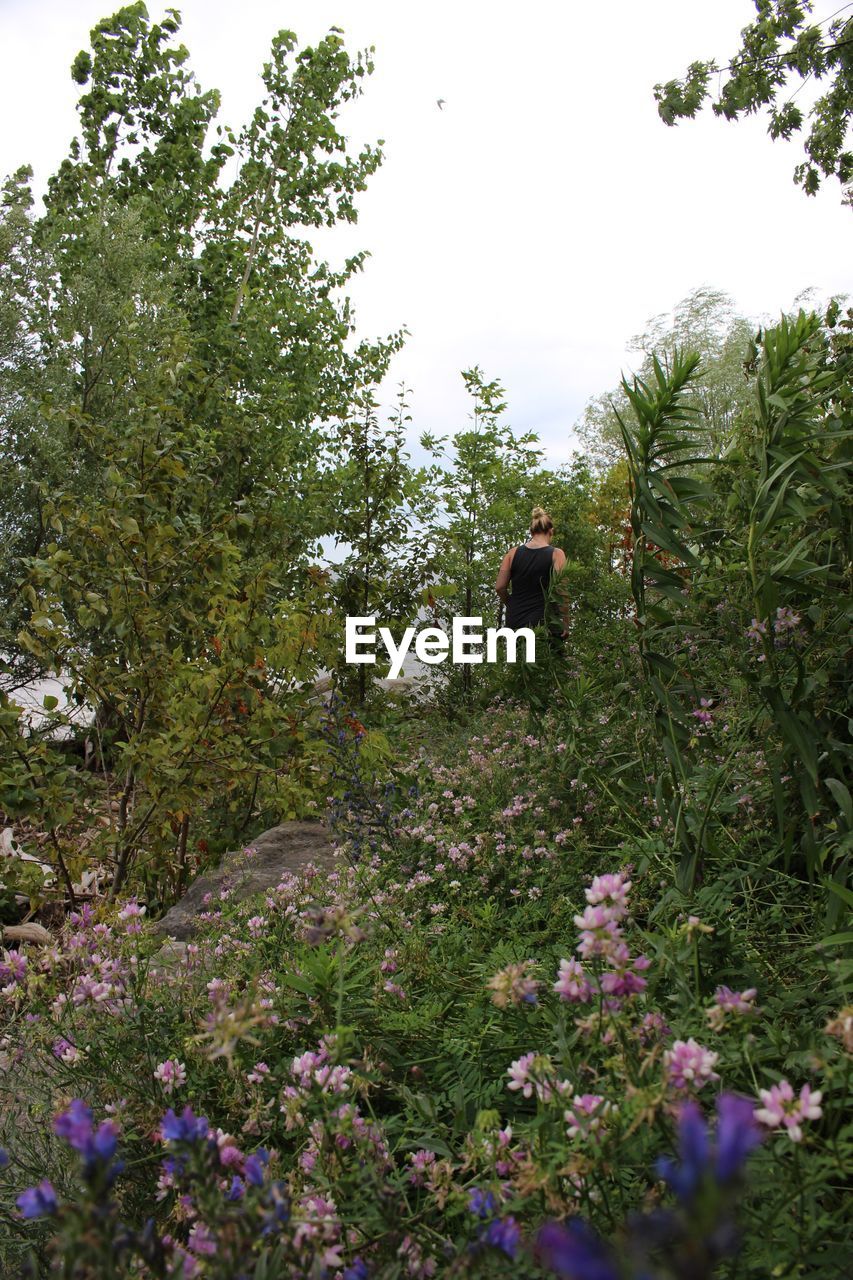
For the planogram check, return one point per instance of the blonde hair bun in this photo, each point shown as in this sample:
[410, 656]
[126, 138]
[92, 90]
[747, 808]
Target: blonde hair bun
[540, 521]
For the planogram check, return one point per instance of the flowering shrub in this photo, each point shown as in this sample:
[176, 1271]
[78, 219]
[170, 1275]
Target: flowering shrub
[468, 1051]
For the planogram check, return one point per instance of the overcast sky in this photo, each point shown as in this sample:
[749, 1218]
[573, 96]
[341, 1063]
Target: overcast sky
[533, 224]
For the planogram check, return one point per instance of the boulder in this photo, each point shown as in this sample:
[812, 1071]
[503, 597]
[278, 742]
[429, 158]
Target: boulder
[258, 867]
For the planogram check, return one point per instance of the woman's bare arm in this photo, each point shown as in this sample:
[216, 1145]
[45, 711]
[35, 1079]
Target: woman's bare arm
[502, 583]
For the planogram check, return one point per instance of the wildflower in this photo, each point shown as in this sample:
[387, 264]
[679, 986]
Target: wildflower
[783, 1110]
[254, 1167]
[785, 620]
[694, 926]
[131, 916]
[599, 932]
[357, 1270]
[66, 1051]
[37, 1202]
[756, 631]
[97, 1146]
[513, 985]
[503, 1234]
[171, 1074]
[585, 1115]
[688, 1063]
[421, 1161]
[572, 983]
[623, 979]
[13, 969]
[230, 1157]
[615, 888]
[258, 1072]
[4, 1158]
[256, 925]
[184, 1128]
[531, 1073]
[737, 1134]
[654, 1027]
[481, 1203]
[702, 713]
[573, 1249]
[202, 1240]
[728, 1002]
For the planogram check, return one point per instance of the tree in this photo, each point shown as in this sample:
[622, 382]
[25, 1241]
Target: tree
[705, 322]
[192, 348]
[776, 47]
[483, 484]
[381, 508]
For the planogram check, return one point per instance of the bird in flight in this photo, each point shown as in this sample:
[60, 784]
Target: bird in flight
[439, 102]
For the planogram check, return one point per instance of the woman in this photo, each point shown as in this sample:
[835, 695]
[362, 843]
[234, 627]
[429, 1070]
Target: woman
[529, 569]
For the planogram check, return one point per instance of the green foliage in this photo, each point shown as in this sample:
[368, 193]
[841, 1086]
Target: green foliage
[778, 45]
[482, 482]
[405, 975]
[779, 551]
[382, 513]
[175, 349]
[705, 321]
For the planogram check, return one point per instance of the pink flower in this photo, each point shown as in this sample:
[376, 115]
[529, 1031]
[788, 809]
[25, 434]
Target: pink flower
[614, 887]
[532, 1073]
[421, 1161]
[690, 1064]
[66, 1051]
[131, 915]
[785, 620]
[728, 1002]
[258, 1072]
[585, 1115]
[756, 630]
[783, 1110]
[600, 934]
[654, 1027]
[171, 1074]
[572, 983]
[202, 1241]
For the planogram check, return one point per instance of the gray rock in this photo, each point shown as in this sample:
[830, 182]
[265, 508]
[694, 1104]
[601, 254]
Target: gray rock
[287, 847]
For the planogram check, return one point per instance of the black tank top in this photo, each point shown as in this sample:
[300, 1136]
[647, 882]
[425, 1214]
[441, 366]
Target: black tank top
[530, 576]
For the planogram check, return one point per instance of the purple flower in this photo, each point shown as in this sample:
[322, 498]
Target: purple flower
[685, 1176]
[254, 1167]
[481, 1203]
[4, 1159]
[235, 1191]
[573, 1250]
[188, 1127]
[503, 1234]
[357, 1270]
[96, 1146]
[37, 1202]
[738, 1133]
[75, 1125]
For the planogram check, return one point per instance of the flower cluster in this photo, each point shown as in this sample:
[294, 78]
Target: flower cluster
[514, 984]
